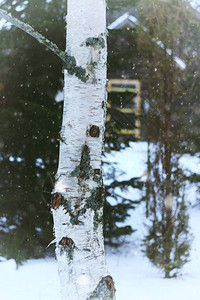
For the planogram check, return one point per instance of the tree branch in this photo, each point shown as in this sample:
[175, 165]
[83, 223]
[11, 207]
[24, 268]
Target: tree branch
[68, 60]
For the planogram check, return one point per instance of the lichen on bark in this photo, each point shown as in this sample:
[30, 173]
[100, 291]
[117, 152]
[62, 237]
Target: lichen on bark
[95, 42]
[83, 170]
[105, 290]
[67, 246]
[95, 201]
[69, 61]
[74, 211]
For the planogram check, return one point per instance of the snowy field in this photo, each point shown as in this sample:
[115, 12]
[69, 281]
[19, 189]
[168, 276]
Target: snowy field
[134, 275]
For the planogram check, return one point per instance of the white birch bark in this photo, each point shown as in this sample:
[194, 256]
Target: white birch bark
[77, 203]
[77, 198]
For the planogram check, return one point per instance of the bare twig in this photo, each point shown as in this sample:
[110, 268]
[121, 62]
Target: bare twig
[68, 61]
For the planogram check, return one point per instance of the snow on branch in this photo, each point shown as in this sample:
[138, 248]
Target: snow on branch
[68, 60]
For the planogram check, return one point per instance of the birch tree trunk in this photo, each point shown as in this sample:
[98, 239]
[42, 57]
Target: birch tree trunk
[77, 202]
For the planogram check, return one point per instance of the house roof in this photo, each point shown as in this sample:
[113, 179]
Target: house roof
[128, 20]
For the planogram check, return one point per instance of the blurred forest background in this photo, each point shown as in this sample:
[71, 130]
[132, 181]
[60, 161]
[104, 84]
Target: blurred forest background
[31, 78]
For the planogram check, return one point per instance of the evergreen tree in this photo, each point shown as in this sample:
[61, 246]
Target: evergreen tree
[30, 122]
[29, 130]
[162, 38]
[77, 200]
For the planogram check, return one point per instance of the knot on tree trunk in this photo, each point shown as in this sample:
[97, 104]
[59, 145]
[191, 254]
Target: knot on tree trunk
[57, 200]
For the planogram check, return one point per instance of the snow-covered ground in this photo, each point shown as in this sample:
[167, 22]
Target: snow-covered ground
[134, 275]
